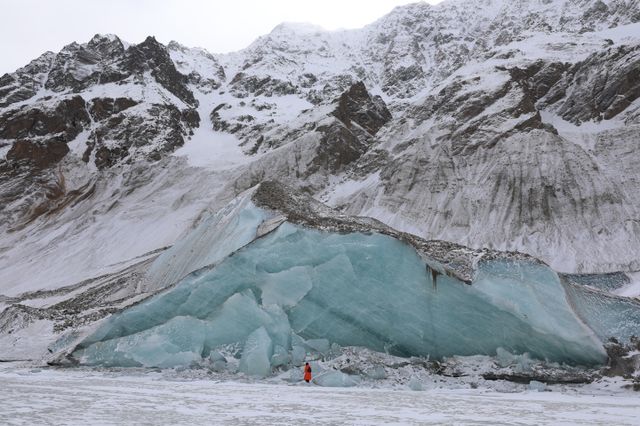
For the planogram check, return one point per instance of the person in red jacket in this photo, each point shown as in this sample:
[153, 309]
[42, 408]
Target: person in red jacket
[307, 372]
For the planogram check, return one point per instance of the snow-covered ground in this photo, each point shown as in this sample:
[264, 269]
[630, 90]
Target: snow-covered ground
[50, 396]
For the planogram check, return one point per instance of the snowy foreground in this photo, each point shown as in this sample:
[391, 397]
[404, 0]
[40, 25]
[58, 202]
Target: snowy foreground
[69, 396]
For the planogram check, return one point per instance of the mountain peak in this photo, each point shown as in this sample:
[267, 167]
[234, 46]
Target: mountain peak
[297, 28]
[98, 38]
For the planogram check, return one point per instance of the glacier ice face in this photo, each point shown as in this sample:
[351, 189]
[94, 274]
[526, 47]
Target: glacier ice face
[533, 294]
[607, 314]
[303, 289]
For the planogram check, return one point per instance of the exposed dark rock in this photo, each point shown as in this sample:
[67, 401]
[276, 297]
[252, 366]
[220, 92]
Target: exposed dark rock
[77, 66]
[6, 80]
[25, 82]
[191, 118]
[562, 378]
[535, 81]
[403, 81]
[68, 117]
[599, 11]
[102, 108]
[194, 77]
[267, 86]
[38, 154]
[308, 80]
[108, 157]
[338, 148]
[357, 106]
[535, 122]
[165, 131]
[600, 87]
[624, 360]
[153, 56]
[217, 122]
[53, 196]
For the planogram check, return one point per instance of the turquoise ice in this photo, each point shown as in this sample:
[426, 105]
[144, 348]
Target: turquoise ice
[608, 315]
[298, 290]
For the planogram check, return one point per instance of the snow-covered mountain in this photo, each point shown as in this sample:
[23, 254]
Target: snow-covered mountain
[510, 125]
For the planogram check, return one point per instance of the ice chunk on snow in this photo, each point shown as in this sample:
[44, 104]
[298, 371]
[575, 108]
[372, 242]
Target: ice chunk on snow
[504, 358]
[336, 379]
[295, 375]
[376, 372]
[415, 384]
[256, 355]
[534, 385]
[217, 356]
[218, 361]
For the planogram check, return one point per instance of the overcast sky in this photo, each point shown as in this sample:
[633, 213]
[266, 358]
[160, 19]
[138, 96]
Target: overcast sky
[31, 27]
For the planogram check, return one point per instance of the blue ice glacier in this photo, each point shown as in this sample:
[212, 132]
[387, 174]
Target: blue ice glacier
[297, 290]
[608, 315]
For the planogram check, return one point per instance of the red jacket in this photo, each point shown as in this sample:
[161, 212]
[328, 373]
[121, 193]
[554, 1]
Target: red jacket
[307, 373]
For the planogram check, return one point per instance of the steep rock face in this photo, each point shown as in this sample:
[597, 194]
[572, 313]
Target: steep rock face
[357, 106]
[338, 147]
[76, 67]
[42, 134]
[40, 155]
[324, 141]
[104, 60]
[25, 82]
[153, 57]
[102, 102]
[125, 134]
[201, 68]
[537, 181]
[590, 91]
[67, 117]
[100, 62]
[102, 108]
